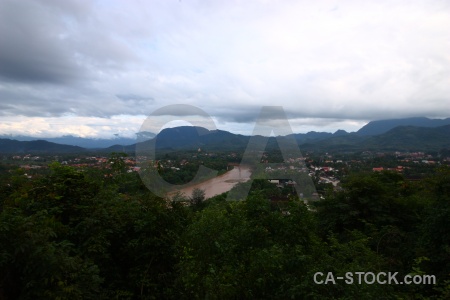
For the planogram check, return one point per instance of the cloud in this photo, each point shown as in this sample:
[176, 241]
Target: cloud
[134, 97]
[352, 61]
[54, 42]
[93, 127]
[32, 48]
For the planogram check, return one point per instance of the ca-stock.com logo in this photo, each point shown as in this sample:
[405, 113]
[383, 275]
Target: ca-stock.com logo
[272, 120]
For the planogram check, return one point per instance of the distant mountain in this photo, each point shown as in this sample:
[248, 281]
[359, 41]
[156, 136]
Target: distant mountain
[412, 138]
[401, 138]
[81, 142]
[311, 136]
[91, 143]
[39, 146]
[191, 137]
[337, 142]
[383, 126]
[340, 132]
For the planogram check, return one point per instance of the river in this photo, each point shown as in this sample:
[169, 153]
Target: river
[219, 184]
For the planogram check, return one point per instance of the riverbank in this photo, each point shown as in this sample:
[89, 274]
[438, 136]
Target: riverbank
[219, 184]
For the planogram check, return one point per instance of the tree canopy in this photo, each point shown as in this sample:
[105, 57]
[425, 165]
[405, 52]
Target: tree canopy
[100, 234]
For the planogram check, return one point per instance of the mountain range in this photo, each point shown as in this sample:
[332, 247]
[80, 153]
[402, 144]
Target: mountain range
[38, 146]
[383, 126]
[89, 143]
[400, 138]
[413, 134]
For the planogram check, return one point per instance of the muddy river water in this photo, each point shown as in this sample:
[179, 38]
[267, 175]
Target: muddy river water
[219, 184]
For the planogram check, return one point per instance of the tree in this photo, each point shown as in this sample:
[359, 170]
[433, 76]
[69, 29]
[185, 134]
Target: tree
[198, 196]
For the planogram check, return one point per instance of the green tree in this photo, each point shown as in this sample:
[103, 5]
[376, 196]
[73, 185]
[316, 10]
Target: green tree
[35, 264]
[197, 197]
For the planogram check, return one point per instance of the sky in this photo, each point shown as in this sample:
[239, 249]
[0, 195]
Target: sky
[99, 68]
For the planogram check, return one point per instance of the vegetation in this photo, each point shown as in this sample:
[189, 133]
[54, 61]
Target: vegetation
[98, 233]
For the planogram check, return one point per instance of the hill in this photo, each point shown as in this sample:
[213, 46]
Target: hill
[190, 137]
[409, 138]
[412, 138]
[399, 138]
[39, 146]
[383, 126]
[90, 143]
[404, 138]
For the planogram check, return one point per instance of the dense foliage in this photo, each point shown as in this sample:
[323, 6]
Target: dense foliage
[100, 234]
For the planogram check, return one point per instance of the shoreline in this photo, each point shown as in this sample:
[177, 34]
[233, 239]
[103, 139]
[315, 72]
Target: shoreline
[219, 184]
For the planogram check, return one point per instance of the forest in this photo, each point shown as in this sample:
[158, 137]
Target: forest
[99, 233]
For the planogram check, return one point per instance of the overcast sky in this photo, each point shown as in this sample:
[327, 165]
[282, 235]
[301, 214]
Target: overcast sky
[98, 68]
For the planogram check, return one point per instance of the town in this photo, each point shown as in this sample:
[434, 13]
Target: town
[325, 169]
